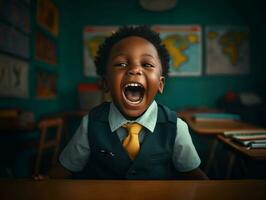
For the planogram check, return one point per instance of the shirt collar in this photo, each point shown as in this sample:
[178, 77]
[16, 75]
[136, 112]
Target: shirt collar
[148, 119]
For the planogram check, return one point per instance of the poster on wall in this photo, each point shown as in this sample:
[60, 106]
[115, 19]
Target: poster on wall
[48, 16]
[4, 77]
[16, 13]
[184, 44]
[13, 41]
[46, 85]
[93, 36]
[227, 50]
[13, 77]
[45, 49]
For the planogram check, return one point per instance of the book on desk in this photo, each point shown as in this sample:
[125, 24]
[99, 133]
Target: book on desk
[215, 117]
[248, 138]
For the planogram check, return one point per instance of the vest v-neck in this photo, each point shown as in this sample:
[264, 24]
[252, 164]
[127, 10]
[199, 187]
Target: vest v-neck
[150, 163]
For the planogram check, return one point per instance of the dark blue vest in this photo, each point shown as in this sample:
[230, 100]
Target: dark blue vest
[109, 160]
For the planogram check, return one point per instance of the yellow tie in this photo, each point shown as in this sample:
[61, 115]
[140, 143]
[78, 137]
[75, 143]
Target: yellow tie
[131, 142]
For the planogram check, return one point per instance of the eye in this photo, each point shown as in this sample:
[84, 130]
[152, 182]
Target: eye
[147, 65]
[121, 64]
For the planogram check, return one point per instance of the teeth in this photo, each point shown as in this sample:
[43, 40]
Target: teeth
[133, 85]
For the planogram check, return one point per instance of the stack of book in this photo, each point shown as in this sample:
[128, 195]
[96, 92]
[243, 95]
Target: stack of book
[215, 117]
[248, 138]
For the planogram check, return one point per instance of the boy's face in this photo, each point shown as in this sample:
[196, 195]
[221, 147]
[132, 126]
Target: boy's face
[133, 75]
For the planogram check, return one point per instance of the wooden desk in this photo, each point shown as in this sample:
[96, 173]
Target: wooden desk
[137, 190]
[14, 126]
[252, 154]
[73, 114]
[212, 129]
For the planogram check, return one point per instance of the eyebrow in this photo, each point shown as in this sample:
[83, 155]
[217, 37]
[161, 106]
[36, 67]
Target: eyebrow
[146, 54]
[122, 55]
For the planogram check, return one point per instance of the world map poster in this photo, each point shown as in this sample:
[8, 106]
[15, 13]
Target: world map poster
[227, 50]
[93, 36]
[184, 43]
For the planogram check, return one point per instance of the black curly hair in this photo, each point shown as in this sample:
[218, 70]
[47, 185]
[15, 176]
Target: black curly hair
[127, 31]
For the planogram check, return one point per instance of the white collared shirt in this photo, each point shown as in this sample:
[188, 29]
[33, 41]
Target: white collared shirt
[147, 120]
[76, 154]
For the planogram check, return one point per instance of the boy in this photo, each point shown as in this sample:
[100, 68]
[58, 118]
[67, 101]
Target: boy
[133, 64]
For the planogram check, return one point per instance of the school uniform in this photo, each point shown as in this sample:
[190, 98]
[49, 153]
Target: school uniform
[96, 151]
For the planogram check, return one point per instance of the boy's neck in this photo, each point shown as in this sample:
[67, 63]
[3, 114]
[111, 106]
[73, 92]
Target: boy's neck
[133, 118]
[129, 117]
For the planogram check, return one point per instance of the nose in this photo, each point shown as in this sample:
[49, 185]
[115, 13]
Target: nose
[135, 70]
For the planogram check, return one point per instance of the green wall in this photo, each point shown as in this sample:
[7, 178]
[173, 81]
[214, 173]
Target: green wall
[179, 91]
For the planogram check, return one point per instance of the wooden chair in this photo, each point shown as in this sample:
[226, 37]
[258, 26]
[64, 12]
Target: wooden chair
[44, 126]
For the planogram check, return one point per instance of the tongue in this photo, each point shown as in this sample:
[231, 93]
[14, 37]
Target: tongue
[133, 96]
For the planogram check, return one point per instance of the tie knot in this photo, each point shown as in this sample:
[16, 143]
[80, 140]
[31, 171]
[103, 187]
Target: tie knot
[133, 128]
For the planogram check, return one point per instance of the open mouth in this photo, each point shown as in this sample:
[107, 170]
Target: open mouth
[133, 92]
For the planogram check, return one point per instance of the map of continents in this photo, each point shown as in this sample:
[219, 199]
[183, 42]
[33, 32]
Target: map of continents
[184, 46]
[92, 38]
[227, 50]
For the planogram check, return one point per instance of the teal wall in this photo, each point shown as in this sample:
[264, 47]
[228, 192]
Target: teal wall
[38, 106]
[179, 91]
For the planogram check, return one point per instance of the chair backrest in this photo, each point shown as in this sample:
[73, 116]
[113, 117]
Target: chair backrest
[45, 125]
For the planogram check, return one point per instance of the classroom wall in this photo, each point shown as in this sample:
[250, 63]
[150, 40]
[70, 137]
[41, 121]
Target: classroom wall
[179, 91]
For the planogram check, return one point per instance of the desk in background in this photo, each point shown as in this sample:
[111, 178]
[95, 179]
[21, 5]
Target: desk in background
[18, 134]
[251, 154]
[212, 129]
[14, 126]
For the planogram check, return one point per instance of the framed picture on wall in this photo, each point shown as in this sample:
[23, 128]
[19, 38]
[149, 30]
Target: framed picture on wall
[16, 13]
[13, 41]
[48, 16]
[93, 36]
[227, 50]
[13, 77]
[45, 49]
[184, 43]
[46, 85]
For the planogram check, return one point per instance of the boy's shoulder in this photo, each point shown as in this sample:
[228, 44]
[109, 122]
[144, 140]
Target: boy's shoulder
[166, 114]
[100, 112]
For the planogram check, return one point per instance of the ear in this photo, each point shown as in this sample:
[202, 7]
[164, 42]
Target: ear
[161, 84]
[104, 85]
